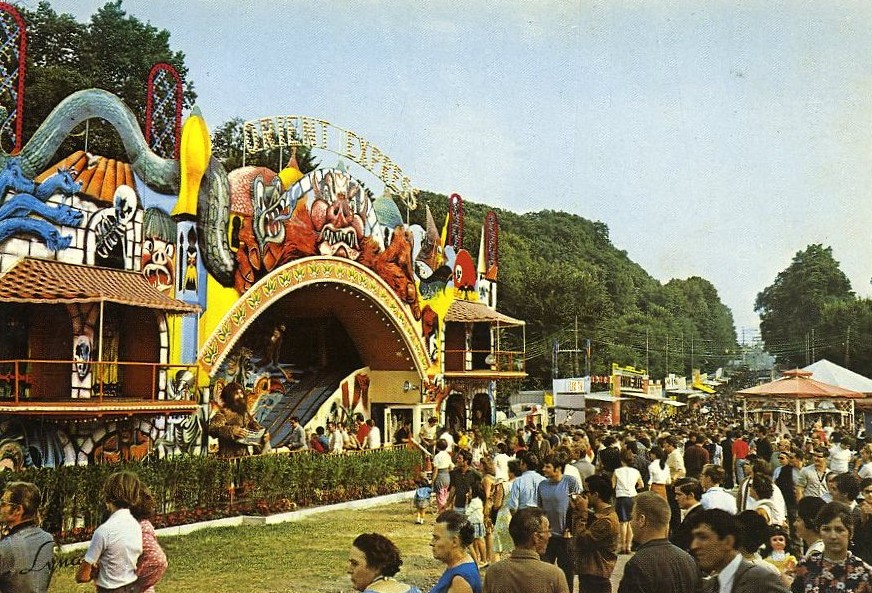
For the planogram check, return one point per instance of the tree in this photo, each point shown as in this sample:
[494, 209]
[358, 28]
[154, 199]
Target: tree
[114, 52]
[697, 300]
[791, 307]
[844, 335]
[556, 267]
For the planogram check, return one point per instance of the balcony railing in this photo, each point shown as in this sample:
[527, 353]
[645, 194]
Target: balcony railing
[33, 381]
[494, 361]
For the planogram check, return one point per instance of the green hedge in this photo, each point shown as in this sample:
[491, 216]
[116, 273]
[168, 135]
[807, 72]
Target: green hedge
[190, 488]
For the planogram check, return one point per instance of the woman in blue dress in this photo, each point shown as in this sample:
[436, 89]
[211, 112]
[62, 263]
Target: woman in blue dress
[372, 563]
[452, 536]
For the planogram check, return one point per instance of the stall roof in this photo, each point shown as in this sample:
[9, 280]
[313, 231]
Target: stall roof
[470, 312]
[798, 384]
[42, 281]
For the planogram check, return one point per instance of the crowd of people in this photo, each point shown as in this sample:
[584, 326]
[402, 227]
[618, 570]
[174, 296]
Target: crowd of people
[709, 507]
[123, 555]
[699, 506]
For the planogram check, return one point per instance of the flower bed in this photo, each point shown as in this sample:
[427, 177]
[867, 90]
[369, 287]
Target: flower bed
[190, 489]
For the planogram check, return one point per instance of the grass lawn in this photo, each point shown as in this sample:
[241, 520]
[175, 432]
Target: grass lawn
[309, 556]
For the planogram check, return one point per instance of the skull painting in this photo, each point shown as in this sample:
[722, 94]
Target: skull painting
[82, 356]
[159, 249]
[109, 226]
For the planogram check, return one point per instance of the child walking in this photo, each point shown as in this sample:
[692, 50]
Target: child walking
[423, 491]
[475, 514]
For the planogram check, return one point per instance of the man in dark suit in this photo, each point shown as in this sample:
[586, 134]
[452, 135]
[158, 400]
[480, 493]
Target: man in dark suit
[688, 494]
[714, 543]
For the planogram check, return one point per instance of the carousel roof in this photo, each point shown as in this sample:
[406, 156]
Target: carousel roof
[798, 384]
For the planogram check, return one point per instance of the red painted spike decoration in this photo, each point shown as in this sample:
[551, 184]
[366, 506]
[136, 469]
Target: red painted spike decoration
[455, 222]
[346, 398]
[491, 240]
[13, 54]
[163, 111]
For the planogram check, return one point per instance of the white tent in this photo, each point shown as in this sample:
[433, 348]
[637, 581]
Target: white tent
[833, 374]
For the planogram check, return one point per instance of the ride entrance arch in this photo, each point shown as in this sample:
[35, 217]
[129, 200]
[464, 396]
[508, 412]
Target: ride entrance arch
[319, 338]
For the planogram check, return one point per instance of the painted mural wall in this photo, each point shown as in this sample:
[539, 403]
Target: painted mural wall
[231, 242]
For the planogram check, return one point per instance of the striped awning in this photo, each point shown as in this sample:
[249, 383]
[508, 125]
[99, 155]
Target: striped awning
[49, 282]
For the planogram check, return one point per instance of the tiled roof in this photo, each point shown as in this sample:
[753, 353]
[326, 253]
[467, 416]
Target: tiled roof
[470, 312]
[44, 281]
[100, 176]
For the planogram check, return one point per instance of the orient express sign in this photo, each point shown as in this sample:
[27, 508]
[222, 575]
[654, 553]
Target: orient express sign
[281, 131]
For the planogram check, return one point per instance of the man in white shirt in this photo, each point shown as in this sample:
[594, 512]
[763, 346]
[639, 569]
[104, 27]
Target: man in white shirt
[117, 543]
[373, 437]
[714, 496]
[840, 456]
[427, 434]
[446, 434]
[501, 463]
[674, 459]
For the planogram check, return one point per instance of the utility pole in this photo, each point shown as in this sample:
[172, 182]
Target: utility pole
[848, 347]
[806, 348]
[554, 351]
[575, 367]
[575, 352]
[812, 346]
[587, 358]
[691, 354]
[667, 354]
[647, 367]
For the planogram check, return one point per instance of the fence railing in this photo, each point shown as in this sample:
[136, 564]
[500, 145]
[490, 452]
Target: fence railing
[29, 380]
[504, 361]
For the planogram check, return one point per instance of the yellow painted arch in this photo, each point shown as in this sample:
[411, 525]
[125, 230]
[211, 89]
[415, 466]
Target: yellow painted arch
[300, 274]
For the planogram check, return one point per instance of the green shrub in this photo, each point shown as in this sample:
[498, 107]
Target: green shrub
[190, 488]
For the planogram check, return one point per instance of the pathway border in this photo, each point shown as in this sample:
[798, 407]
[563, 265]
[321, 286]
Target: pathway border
[288, 517]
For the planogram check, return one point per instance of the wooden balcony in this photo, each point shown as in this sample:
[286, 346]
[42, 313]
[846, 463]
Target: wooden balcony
[74, 389]
[485, 364]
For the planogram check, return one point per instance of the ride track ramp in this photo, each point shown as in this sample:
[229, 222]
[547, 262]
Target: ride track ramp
[302, 399]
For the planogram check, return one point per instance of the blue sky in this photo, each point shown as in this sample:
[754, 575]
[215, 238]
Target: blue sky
[714, 138]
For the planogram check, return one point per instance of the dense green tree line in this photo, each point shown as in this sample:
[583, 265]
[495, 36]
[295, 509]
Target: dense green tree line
[557, 267]
[810, 312]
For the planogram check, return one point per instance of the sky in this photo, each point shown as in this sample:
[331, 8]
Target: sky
[714, 138]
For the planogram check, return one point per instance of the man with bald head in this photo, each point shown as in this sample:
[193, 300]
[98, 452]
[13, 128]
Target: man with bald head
[657, 566]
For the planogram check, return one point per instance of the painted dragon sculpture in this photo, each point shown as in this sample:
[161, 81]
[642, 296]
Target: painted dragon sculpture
[159, 174]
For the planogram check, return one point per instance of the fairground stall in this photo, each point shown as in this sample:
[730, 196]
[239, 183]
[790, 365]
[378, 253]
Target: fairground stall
[132, 291]
[795, 401]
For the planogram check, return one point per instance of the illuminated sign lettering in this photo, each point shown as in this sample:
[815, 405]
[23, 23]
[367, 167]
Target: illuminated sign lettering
[284, 131]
